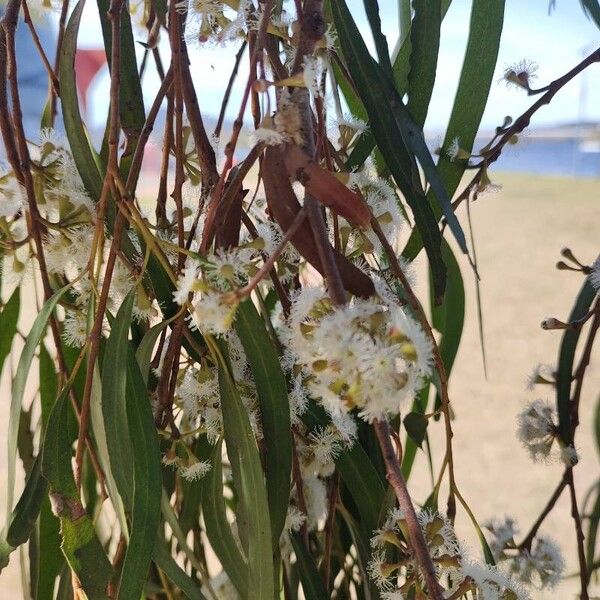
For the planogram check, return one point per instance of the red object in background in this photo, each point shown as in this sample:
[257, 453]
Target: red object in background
[88, 61]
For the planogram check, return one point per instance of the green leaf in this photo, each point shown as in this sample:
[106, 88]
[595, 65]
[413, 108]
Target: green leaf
[50, 558]
[479, 64]
[384, 106]
[274, 410]
[163, 559]
[9, 317]
[425, 42]
[218, 529]
[566, 357]
[312, 582]
[131, 101]
[81, 547]
[83, 153]
[416, 427]
[381, 45]
[18, 389]
[114, 406]
[248, 480]
[143, 354]
[28, 507]
[449, 316]
[147, 483]
[592, 10]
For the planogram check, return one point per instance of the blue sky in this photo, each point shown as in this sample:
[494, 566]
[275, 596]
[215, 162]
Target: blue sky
[556, 42]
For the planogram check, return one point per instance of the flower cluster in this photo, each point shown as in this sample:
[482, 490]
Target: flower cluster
[395, 572]
[540, 564]
[538, 432]
[369, 355]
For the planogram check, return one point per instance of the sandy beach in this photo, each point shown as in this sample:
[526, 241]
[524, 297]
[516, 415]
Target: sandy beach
[519, 231]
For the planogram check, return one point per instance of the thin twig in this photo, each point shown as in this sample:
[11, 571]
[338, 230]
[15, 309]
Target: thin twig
[415, 534]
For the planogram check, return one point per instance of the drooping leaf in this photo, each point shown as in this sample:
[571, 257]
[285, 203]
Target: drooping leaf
[479, 64]
[218, 529]
[18, 389]
[312, 582]
[425, 42]
[147, 484]
[114, 408]
[566, 357]
[388, 127]
[274, 410]
[9, 317]
[249, 482]
[163, 559]
[416, 427]
[83, 153]
[80, 545]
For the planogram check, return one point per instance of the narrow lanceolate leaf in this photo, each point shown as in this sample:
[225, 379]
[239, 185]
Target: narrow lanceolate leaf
[25, 513]
[114, 409]
[18, 389]
[248, 480]
[80, 545]
[449, 316]
[9, 318]
[166, 563]
[50, 558]
[566, 357]
[147, 484]
[131, 101]
[479, 64]
[218, 529]
[312, 582]
[425, 42]
[592, 10]
[274, 410]
[143, 354]
[382, 104]
[82, 150]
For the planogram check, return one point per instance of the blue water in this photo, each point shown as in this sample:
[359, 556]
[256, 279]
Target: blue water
[549, 157]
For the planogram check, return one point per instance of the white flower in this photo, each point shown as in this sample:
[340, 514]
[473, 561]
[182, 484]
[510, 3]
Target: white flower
[595, 275]
[378, 571]
[195, 471]
[503, 531]
[521, 74]
[542, 373]
[294, 519]
[537, 429]
[549, 562]
[569, 456]
[185, 283]
[315, 498]
[12, 198]
[270, 137]
[213, 315]
[491, 582]
[75, 329]
[312, 72]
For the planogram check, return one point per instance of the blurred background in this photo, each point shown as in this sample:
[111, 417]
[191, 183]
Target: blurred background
[548, 197]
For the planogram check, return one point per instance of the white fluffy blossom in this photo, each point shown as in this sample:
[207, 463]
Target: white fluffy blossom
[195, 470]
[367, 355]
[537, 429]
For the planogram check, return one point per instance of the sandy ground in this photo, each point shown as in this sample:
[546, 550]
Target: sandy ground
[519, 232]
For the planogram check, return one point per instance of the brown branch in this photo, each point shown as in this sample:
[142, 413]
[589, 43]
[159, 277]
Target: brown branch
[583, 577]
[234, 72]
[526, 543]
[522, 122]
[415, 534]
[114, 14]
